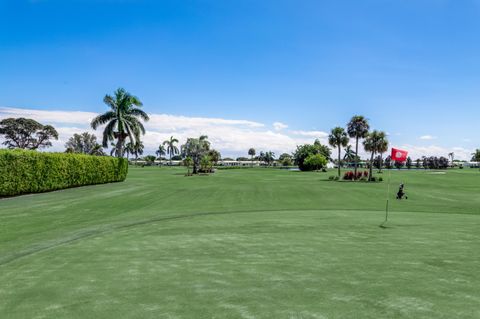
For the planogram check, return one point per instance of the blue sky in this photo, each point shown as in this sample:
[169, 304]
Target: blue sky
[411, 66]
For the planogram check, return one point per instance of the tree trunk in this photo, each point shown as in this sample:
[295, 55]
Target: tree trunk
[356, 159]
[194, 168]
[380, 163]
[119, 146]
[170, 158]
[371, 168]
[338, 161]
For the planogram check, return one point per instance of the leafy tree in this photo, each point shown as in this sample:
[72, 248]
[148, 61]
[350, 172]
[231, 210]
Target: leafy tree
[84, 143]
[172, 149]
[303, 151]
[425, 162]
[315, 162]
[123, 120]
[357, 128]
[214, 156]
[196, 148]
[150, 159]
[409, 163]
[286, 159]
[26, 133]
[443, 162]
[399, 164]
[388, 162]
[378, 162]
[417, 163]
[476, 155]
[338, 138]
[373, 143]
[267, 157]
[160, 151]
[177, 158]
[242, 159]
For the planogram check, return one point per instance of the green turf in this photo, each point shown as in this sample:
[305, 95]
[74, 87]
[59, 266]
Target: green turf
[251, 243]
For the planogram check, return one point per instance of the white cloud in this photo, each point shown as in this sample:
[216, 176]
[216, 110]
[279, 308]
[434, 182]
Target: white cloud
[230, 137]
[278, 126]
[415, 151]
[427, 137]
[314, 134]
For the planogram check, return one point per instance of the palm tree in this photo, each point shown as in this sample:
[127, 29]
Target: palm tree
[138, 149]
[188, 162]
[161, 151]
[383, 147]
[129, 148]
[451, 155]
[196, 148]
[338, 138]
[357, 128]
[171, 148]
[114, 148]
[349, 154]
[373, 143]
[122, 120]
[251, 152]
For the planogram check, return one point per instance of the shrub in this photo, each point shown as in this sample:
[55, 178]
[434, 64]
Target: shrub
[380, 179]
[336, 178]
[23, 172]
[348, 175]
[304, 151]
[331, 178]
[314, 162]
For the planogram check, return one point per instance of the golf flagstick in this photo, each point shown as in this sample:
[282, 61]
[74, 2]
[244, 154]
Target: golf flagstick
[388, 197]
[396, 156]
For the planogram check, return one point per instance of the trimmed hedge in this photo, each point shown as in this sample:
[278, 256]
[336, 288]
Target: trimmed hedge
[23, 172]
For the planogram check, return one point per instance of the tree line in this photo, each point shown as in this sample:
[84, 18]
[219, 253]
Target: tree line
[123, 128]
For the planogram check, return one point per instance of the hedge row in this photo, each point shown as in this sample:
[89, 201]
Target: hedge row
[23, 172]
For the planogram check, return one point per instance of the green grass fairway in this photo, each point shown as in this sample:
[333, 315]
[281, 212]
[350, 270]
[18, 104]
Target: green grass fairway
[252, 243]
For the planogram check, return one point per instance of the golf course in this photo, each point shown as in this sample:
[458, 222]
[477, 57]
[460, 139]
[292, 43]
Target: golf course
[245, 243]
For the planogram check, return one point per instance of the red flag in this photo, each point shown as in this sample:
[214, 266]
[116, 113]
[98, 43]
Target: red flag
[399, 155]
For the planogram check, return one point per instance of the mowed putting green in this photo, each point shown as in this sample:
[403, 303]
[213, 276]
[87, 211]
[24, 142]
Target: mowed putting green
[251, 243]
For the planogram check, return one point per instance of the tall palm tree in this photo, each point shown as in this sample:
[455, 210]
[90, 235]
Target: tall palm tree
[251, 152]
[357, 128]
[123, 120]
[373, 143]
[338, 138]
[171, 148]
[382, 149]
[161, 151]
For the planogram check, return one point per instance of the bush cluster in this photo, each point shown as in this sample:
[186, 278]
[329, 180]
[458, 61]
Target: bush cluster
[23, 172]
[350, 175]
